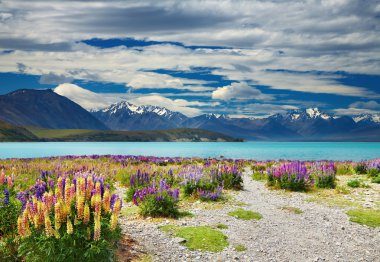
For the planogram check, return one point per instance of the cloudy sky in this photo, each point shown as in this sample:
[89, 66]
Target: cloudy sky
[242, 58]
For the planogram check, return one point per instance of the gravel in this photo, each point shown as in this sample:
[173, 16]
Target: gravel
[320, 233]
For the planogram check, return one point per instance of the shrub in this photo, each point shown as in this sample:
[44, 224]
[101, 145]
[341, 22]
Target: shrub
[259, 176]
[137, 181]
[354, 183]
[345, 169]
[324, 174]
[230, 177]
[361, 168]
[9, 210]
[195, 178]
[293, 176]
[78, 222]
[210, 195]
[157, 201]
[373, 172]
[376, 179]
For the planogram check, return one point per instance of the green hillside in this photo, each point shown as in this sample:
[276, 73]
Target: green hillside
[180, 134]
[10, 133]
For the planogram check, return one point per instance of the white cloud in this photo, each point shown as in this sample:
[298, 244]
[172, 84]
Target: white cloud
[354, 111]
[311, 36]
[85, 98]
[91, 100]
[366, 105]
[154, 80]
[309, 83]
[239, 91]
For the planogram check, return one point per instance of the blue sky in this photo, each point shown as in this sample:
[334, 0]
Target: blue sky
[245, 58]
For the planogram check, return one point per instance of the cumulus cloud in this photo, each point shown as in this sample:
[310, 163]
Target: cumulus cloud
[92, 101]
[354, 111]
[239, 91]
[360, 107]
[85, 98]
[309, 83]
[326, 36]
[366, 105]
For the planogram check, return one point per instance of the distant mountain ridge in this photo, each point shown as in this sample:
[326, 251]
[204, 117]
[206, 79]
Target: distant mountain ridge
[308, 124]
[45, 108]
[126, 116]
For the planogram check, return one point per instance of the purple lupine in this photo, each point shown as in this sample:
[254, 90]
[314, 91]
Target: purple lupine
[6, 197]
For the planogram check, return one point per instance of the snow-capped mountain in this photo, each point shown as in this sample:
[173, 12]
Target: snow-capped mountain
[127, 116]
[303, 114]
[367, 118]
[294, 125]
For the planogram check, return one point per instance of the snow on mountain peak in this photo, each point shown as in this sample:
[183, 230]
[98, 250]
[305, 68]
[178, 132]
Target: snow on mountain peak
[134, 109]
[367, 117]
[315, 113]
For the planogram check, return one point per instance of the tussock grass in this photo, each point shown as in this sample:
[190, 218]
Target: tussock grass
[366, 217]
[202, 238]
[240, 248]
[294, 210]
[245, 214]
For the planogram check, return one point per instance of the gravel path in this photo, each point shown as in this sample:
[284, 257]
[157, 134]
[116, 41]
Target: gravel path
[320, 233]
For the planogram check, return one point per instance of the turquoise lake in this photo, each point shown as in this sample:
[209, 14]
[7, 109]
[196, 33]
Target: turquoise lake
[248, 150]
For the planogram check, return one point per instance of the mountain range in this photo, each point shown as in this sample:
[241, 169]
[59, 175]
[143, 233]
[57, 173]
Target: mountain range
[46, 109]
[296, 125]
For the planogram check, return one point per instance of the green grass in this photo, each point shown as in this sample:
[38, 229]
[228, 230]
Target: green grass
[259, 176]
[355, 183]
[202, 238]
[131, 211]
[57, 133]
[294, 210]
[365, 217]
[240, 248]
[376, 179]
[245, 214]
[177, 134]
[221, 226]
[185, 214]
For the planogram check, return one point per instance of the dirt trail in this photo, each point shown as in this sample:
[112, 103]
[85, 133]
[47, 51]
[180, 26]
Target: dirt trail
[320, 233]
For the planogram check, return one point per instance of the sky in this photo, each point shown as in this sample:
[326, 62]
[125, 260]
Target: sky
[241, 58]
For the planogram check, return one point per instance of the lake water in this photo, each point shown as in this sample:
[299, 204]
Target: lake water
[248, 150]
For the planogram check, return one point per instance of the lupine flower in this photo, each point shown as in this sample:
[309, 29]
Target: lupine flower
[2, 177]
[42, 208]
[10, 182]
[97, 228]
[106, 201]
[86, 214]
[113, 221]
[48, 228]
[6, 197]
[69, 226]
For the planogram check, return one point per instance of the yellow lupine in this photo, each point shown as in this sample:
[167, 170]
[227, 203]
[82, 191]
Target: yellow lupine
[48, 228]
[69, 226]
[97, 228]
[106, 201]
[86, 214]
[113, 221]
